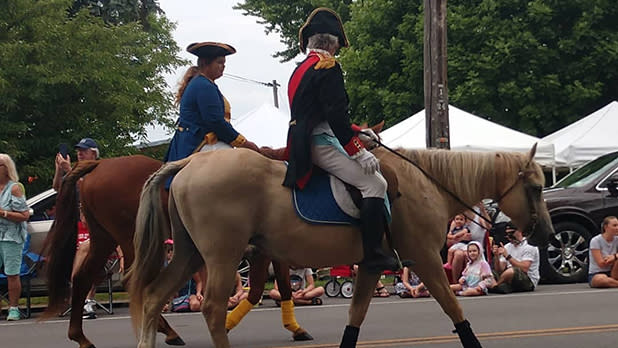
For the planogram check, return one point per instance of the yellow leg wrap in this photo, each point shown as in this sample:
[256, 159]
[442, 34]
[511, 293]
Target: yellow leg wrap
[287, 316]
[237, 314]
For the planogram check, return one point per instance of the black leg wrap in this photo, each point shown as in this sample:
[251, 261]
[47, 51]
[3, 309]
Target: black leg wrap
[466, 336]
[350, 337]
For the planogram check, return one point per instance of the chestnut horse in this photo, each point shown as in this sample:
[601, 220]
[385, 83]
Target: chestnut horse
[109, 202]
[253, 207]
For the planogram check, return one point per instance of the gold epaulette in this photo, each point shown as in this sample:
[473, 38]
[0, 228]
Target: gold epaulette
[325, 62]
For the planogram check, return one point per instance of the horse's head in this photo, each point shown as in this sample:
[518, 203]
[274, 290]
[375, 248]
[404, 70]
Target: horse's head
[519, 190]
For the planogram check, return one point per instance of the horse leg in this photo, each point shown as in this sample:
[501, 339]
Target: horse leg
[184, 263]
[82, 282]
[432, 274]
[364, 286]
[282, 273]
[214, 308]
[258, 274]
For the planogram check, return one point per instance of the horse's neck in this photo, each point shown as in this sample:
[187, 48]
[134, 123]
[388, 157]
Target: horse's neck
[468, 177]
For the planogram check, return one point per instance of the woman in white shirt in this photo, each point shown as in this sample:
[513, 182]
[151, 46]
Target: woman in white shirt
[603, 268]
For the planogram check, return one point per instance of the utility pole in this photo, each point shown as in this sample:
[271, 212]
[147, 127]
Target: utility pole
[274, 85]
[435, 77]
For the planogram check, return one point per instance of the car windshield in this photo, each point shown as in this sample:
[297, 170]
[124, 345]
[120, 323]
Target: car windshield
[591, 171]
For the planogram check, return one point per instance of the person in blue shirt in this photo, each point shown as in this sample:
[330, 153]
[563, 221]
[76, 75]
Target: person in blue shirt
[202, 125]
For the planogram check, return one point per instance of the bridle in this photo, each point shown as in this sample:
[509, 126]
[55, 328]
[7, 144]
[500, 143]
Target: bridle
[530, 190]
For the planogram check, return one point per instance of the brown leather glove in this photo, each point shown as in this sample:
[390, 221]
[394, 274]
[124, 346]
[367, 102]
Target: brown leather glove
[250, 145]
[276, 154]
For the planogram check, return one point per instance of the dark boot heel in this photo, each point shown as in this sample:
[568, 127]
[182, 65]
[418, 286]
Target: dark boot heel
[350, 337]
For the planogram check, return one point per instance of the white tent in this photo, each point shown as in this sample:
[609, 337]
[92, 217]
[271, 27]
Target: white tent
[586, 139]
[468, 133]
[265, 125]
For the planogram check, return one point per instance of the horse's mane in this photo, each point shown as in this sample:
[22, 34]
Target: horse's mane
[461, 172]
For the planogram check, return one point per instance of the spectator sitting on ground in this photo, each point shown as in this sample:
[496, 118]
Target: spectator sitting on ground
[304, 291]
[603, 268]
[477, 276]
[410, 285]
[477, 228]
[516, 263]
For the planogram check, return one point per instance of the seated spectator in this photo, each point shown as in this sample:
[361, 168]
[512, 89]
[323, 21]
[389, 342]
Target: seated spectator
[457, 237]
[304, 291]
[410, 285]
[477, 228]
[516, 264]
[603, 268]
[190, 297]
[477, 276]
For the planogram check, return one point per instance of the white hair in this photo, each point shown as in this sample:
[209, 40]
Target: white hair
[326, 42]
[10, 166]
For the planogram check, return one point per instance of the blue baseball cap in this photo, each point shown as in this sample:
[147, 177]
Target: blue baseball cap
[86, 143]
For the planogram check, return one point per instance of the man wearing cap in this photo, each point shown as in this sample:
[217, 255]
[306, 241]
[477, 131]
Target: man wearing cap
[321, 134]
[87, 149]
[202, 125]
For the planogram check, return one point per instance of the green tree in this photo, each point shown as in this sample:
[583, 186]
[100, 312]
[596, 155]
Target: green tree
[63, 77]
[534, 65]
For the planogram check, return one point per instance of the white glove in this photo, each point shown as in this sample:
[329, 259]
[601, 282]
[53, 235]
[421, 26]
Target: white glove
[367, 161]
[369, 137]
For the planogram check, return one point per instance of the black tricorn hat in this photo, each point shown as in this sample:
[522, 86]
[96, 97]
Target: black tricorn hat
[210, 49]
[322, 21]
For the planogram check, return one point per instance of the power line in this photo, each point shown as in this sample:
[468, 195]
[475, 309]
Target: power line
[244, 79]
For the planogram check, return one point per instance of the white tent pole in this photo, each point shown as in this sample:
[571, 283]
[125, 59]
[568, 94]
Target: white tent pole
[553, 175]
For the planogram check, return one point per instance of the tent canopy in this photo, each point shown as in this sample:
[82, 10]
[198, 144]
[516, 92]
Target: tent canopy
[265, 125]
[586, 139]
[468, 133]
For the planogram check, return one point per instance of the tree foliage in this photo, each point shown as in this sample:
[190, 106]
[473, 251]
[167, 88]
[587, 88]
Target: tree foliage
[66, 74]
[533, 65]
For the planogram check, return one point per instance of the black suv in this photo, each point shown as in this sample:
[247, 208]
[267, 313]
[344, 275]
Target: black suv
[577, 205]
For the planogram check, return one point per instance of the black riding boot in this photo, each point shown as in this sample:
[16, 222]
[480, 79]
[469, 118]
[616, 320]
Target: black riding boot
[372, 229]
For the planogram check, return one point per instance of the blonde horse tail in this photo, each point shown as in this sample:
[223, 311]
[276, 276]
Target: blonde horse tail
[151, 230]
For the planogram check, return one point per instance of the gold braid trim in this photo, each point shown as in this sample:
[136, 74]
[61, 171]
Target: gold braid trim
[238, 141]
[325, 62]
[227, 110]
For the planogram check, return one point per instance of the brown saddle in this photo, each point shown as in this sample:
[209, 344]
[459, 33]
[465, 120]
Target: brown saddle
[386, 170]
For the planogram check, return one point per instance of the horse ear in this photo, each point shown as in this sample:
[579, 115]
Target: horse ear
[378, 127]
[532, 152]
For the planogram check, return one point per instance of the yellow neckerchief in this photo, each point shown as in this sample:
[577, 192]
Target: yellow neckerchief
[327, 60]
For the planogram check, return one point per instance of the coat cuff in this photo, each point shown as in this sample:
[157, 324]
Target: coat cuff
[353, 146]
[240, 139]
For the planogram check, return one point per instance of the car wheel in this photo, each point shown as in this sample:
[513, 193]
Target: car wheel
[565, 260]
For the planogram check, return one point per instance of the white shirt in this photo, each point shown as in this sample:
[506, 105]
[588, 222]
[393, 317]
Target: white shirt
[525, 252]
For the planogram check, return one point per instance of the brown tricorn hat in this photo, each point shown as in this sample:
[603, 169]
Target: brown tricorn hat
[210, 49]
[322, 21]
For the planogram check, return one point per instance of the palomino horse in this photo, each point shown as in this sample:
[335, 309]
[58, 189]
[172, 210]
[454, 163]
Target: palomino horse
[253, 207]
[110, 202]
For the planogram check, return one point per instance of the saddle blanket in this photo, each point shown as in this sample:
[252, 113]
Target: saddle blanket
[325, 200]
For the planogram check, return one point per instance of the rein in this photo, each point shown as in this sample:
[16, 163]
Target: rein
[530, 229]
[434, 180]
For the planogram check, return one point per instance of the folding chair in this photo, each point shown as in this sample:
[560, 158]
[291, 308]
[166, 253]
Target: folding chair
[109, 269]
[29, 266]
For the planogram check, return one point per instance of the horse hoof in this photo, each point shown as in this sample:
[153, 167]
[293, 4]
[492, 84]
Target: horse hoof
[175, 342]
[303, 336]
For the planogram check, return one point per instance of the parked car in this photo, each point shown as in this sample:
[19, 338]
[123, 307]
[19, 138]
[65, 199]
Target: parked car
[577, 205]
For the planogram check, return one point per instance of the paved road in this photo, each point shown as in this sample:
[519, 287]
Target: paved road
[553, 316]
